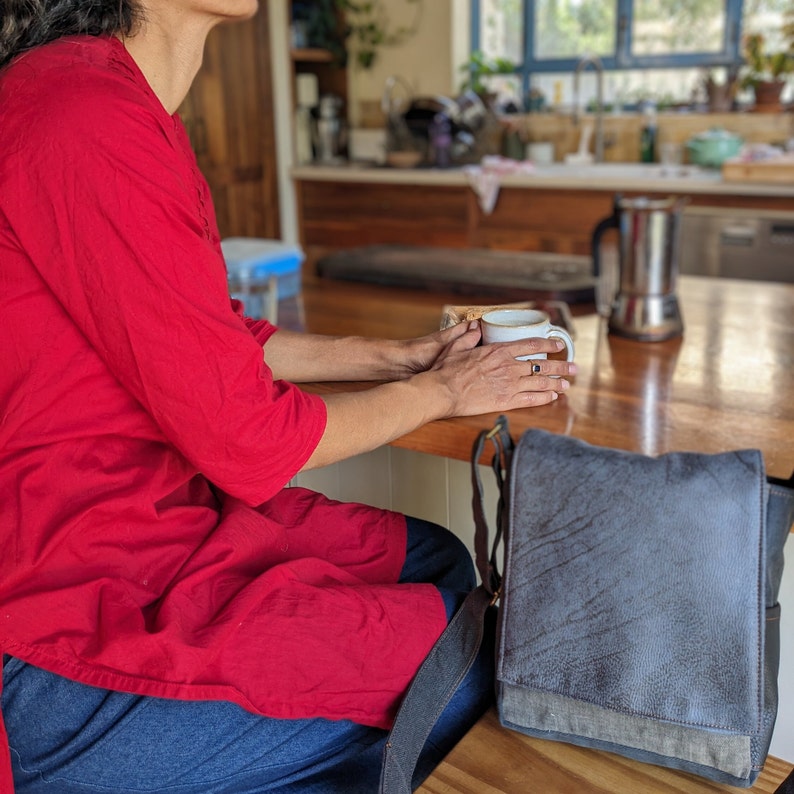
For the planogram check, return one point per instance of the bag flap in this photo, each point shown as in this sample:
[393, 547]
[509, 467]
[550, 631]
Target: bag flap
[637, 583]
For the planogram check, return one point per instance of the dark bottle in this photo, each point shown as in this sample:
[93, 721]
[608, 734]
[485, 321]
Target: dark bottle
[648, 135]
[441, 141]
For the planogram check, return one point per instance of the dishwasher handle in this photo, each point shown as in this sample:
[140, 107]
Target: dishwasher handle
[739, 235]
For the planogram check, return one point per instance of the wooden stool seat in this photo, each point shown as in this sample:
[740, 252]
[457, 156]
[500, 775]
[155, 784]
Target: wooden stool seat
[491, 759]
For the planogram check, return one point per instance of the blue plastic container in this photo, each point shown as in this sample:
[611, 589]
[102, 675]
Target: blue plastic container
[261, 273]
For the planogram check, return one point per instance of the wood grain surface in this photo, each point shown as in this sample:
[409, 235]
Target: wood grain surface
[727, 384]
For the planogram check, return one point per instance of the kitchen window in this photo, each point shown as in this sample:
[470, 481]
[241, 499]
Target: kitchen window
[632, 37]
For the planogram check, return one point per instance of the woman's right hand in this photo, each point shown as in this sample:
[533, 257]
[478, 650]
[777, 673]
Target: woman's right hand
[489, 378]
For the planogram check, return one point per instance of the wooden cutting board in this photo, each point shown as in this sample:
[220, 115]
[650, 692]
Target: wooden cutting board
[507, 276]
[776, 169]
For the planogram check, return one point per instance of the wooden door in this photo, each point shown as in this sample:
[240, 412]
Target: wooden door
[229, 117]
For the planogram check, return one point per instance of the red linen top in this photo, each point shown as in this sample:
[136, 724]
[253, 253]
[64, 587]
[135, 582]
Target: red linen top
[147, 540]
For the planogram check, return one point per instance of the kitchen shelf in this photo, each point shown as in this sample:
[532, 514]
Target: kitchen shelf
[312, 55]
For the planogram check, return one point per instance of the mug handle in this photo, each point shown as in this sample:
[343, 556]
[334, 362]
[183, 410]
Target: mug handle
[555, 332]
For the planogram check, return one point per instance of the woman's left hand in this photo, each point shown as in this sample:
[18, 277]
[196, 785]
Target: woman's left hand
[424, 352]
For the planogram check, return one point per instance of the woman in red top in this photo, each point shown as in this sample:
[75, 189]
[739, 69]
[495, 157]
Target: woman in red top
[172, 616]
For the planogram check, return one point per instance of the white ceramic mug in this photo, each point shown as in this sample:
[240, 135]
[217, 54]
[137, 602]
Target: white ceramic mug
[509, 325]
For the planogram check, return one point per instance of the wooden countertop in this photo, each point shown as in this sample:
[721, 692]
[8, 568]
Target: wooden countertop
[602, 176]
[727, 384]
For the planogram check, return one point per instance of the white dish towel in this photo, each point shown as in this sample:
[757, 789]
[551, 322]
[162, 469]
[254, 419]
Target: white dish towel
[486, 178]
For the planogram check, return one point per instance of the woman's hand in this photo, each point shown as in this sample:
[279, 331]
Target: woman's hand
[300, 357]
[490, 378]
[422, 353]
[462, 378]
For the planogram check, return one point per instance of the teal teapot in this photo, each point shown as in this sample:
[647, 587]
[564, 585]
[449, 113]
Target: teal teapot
[712, 148]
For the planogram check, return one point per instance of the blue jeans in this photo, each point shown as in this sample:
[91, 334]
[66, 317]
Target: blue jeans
[69, 738]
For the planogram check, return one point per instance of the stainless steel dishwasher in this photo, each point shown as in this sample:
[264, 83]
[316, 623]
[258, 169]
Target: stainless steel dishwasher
[733, 243]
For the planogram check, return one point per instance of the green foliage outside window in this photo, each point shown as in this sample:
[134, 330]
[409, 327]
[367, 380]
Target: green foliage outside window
[480, 67]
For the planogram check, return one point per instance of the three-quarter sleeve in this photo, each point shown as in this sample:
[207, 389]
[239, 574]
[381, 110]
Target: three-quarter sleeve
[118, 223]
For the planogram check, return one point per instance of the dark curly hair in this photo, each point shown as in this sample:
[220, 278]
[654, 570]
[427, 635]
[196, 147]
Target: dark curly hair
[25, 24]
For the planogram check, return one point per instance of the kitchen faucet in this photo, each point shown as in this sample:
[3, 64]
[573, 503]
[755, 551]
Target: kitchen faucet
[595, 62]
[398, 136]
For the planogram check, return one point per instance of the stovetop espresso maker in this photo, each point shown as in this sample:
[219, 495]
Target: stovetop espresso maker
[640, 297]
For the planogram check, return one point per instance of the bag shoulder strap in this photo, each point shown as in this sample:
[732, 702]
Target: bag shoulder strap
[486, 559]
[451, 658]
[436, 681]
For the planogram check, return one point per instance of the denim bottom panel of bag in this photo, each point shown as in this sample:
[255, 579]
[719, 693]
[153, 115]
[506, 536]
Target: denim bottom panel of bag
[691, 749]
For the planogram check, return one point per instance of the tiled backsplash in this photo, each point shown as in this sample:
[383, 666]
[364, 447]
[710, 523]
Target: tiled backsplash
[426, 486]
[622, 132]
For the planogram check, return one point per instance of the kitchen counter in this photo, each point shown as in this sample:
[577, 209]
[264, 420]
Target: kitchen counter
[600, 176]
[553, 209]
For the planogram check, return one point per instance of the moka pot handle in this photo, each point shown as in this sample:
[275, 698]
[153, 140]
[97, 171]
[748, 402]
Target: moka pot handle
[612, 222]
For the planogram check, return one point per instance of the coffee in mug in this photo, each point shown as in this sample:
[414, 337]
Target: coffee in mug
[509, 325]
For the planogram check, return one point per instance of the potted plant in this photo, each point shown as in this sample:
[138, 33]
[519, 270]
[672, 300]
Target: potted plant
[721, 92]
[479, 68]
[357, 27]
[368, 27]
[765, 71]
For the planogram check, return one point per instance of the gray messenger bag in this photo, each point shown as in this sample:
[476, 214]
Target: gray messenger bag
[638, 610]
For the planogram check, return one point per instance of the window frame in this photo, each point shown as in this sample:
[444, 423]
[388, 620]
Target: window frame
[622, 58]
